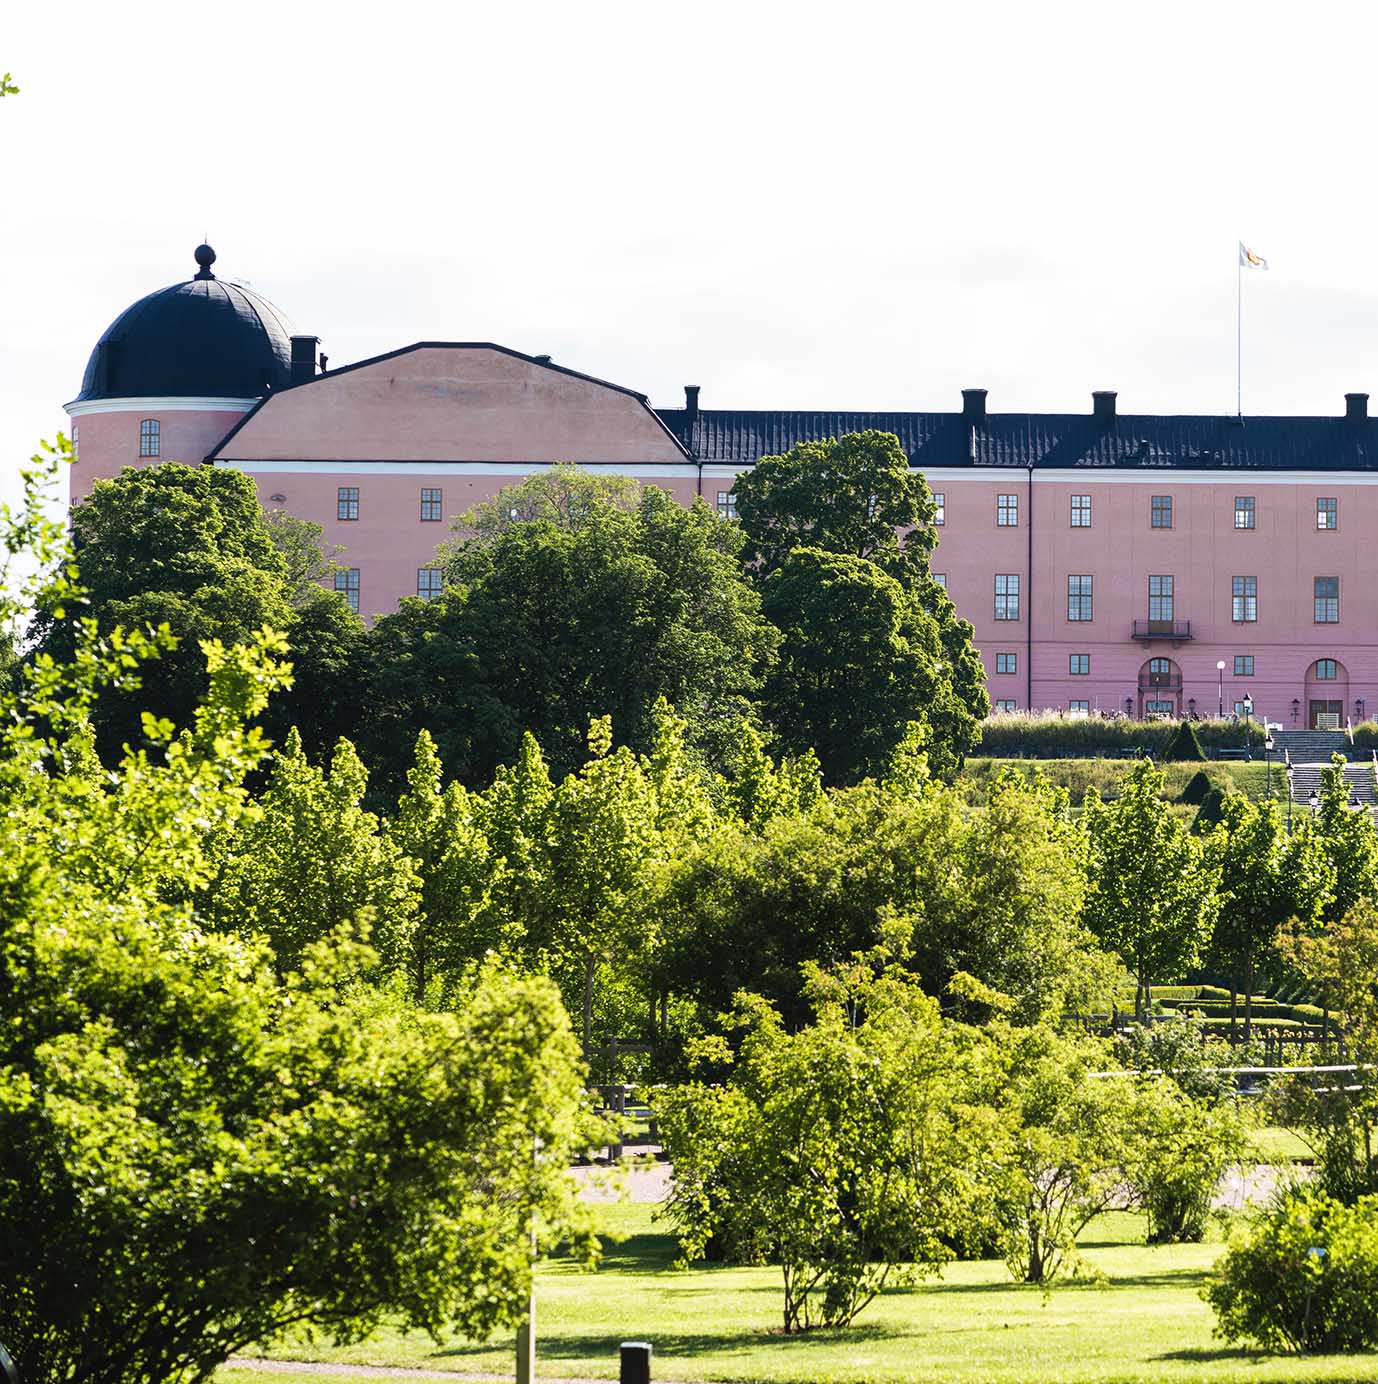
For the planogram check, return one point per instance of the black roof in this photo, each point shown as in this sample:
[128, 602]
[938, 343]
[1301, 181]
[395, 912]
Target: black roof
[203, 337]
[740, 436]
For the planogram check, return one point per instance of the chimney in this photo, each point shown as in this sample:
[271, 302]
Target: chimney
[1356, 407]
[304, 358]
[974, 405]
[1103, 405]
[691, 403]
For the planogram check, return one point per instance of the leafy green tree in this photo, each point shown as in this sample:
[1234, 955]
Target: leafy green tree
[1349, 841]
[995, 892]
[438, 830]
[195, 1154]
[1062, 1146]
[1194, 1126]
[1153, 896]
[840, 1151]
[310, 861]
[549, 622]
[859, 663]
[856, 497]
[1341, 961]
[189, 548]
[1267, 877]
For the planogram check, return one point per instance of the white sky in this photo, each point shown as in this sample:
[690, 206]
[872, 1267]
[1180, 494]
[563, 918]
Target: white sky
[792, 205]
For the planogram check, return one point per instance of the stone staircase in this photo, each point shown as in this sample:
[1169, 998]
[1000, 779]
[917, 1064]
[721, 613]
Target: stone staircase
[1310, 751]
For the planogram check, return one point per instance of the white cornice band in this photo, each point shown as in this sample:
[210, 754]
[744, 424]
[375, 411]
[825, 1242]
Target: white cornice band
[190, 403]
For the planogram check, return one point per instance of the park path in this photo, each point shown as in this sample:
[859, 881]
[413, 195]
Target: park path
[248, 1362]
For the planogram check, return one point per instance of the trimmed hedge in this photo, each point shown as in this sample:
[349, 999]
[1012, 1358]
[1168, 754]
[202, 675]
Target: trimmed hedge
[1051, 735]
[1184, 745]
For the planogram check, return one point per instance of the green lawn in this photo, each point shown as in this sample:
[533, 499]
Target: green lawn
[1142, 1321]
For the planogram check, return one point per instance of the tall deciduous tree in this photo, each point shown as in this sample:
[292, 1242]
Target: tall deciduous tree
[1266, 878]
[1350, 843]
[311, 860]
[856, 497]
[189, 547]
[1153, 897]
[594, 606]
[438, 830]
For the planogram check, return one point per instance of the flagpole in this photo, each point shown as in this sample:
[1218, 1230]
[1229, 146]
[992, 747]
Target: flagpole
[1239, 335]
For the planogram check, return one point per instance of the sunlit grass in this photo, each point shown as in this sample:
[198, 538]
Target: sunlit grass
[1141, 1320]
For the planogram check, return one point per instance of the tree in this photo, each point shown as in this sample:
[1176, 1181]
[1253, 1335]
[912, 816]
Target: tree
[859, 663]
[1266, 878]
[189, 547]
[438, 830]
[1341, 961]
[994, 891]
[1153, 891]
[547, 623]
[1063, 1145]
[194, 1153]
[840, 1151]
[310, 861]
[1349, 841]
[856, 497]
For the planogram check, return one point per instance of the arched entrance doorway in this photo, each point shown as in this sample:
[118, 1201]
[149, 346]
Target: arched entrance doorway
[1327, 692]
[1160, 688]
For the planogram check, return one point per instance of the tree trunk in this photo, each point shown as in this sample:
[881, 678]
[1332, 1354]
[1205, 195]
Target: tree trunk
[1249, 996]
[1234, 1009]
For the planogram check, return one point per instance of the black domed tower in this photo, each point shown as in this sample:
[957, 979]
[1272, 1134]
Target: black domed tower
[174, 372]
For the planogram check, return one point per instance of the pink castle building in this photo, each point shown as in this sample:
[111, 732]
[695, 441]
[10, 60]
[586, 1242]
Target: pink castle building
[1111, 562]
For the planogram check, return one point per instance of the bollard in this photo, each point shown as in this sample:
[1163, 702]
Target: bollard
[636, 1363]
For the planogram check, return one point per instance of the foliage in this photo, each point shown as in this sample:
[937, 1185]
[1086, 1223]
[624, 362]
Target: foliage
[438, 830]
[859, 663]
[856, 499]
[597, 607]
[1152, 892]
[1268, 876]
[1304, 1278]
[1341, 961]
[839, 1151]
[1350, 841]
[1184, 744]
[310, 860]
[1211, 812]
[1063, 1145]
[853, 495]
[993, 891]
[1194, 1127]
[195, 1153]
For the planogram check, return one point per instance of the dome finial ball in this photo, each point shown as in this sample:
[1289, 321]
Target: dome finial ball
[205, 257]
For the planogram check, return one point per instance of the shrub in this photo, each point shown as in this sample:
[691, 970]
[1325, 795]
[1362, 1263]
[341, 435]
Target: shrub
[1305, 1278]
[1184, 745]
[1211, 811]
[1197, 788]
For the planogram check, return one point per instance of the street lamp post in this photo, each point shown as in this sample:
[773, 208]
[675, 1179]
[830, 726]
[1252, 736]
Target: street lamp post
[1220, 669]
[1289, 792]
[1268, 758]
[1248, 727]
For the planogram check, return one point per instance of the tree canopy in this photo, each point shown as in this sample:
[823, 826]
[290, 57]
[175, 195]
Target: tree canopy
[595, 606]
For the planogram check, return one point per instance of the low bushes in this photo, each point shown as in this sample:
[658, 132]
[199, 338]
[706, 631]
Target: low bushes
[1050, 735]
[1304, 1278]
